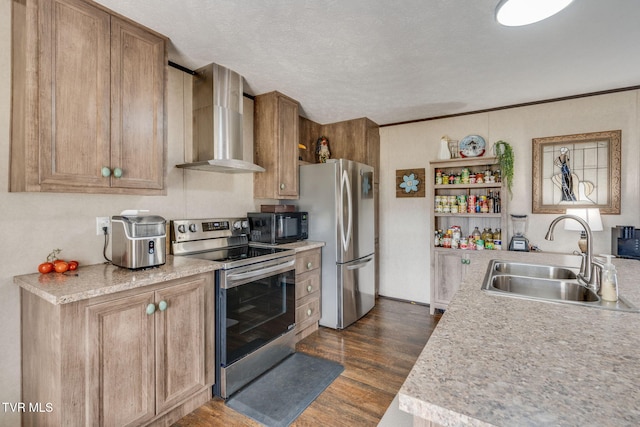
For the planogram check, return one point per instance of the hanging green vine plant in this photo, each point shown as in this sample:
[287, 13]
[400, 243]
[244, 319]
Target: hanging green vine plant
[504, 156]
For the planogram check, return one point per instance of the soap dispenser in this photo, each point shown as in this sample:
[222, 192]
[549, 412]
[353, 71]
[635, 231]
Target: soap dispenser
[609, 281]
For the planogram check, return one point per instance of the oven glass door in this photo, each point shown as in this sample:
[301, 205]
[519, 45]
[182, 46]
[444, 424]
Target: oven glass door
[254, 307]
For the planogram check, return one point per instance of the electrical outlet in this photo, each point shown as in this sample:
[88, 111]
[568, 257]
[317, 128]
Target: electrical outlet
[102, 221]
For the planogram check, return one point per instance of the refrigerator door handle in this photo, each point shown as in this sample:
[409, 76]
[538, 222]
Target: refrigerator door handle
[345, 184]
[360, 264]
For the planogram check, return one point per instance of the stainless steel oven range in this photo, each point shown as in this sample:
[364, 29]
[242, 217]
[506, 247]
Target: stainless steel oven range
[255, 297]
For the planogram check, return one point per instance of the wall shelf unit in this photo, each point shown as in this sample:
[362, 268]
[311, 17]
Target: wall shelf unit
[449, 205]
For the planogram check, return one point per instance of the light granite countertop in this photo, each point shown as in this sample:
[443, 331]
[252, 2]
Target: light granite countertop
[499, 361]
[103, 279]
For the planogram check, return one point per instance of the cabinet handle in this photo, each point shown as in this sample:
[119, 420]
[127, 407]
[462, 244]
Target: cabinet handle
[151, 308]
[309, 288]
[282, 186]
[162, 305]
[106, 172]
[309, 311]
[465, 261]
[309, 265]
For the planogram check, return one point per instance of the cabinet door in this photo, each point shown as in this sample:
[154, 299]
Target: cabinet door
[180, 341]
[137, 106]
[120, 379]
[287, 148]
[74, 83]
[180, 349]
[450, 271]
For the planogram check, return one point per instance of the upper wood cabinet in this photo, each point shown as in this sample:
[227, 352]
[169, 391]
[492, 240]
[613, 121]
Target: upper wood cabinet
[357, 140]
[88, 99]
[276, 146]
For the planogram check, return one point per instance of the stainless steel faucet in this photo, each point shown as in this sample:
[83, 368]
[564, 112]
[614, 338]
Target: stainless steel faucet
[588, 268]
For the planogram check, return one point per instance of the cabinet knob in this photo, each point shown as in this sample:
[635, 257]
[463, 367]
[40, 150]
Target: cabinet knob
[465, 261]
[309, 311]
[309, 288]
[309, 265]
[282, 186]
[106, 172]
[162, 305]
[151, 308]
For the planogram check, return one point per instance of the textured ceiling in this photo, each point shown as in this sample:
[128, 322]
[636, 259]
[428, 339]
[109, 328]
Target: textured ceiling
[404, 60]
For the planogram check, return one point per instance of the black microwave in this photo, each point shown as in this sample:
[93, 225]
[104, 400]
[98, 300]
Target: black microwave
[281, 227]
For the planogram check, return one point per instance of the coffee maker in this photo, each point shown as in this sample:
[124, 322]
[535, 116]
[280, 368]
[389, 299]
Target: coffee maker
[625, 241]
[519, 242]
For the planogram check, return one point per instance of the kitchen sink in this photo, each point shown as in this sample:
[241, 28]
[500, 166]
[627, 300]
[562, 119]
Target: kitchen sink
[534, 270]
[546, 283]
[552, 289]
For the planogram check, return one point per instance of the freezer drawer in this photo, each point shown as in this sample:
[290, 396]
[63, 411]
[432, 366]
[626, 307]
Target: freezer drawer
[357, 282]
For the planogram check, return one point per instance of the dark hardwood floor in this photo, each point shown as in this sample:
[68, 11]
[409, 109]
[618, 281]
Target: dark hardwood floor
[377, 353]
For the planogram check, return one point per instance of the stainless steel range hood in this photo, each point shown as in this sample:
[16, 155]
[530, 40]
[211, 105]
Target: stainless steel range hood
[217, 122]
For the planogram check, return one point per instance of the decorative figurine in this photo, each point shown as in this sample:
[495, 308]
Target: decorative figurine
[322, 149]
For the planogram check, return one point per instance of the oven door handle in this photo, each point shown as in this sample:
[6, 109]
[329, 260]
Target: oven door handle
[260, 271]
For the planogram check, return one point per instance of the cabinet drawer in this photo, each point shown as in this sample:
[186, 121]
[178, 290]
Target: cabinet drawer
[307, 261]
[307, 314]
[307, 283]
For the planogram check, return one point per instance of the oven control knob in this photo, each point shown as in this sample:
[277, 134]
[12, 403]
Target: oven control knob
[245, 224]
[237, 225]
[181, 228]
[193, 228]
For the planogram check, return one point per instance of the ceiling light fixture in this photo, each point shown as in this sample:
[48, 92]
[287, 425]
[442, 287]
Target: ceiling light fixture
[514, 13]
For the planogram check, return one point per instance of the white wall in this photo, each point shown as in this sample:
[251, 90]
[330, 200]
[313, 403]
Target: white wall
[404, 238]
[33, 224]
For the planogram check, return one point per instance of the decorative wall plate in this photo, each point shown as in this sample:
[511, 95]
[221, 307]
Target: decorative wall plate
[472, 146]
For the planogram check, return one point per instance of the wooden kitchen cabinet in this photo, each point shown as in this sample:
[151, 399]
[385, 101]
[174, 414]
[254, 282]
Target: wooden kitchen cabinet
[276, 139]
[450, 268]
[130, 358]
[89, 91]
[308, 282]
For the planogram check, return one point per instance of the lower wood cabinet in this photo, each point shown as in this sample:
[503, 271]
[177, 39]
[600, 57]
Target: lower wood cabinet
[308, 282]
[130, 358]
[450, 268]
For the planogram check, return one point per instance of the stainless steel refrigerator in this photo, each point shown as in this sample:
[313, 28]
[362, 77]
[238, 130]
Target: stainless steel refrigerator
[339, 198]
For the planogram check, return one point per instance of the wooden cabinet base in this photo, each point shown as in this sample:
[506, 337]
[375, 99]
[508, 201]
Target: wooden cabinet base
[308, 283]
[184, 408]
[137, 357]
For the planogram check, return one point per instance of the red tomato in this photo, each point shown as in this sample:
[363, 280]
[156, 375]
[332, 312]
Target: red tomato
[61, 266]
[57, 261]
[73, 265]
[45, 267]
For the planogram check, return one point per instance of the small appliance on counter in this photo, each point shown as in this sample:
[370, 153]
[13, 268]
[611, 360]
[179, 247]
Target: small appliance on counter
[625, 241]
[138, 241]
[519, 242]
[278, 227]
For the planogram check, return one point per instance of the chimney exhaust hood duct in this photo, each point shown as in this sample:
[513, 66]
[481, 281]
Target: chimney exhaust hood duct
[217, 122]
